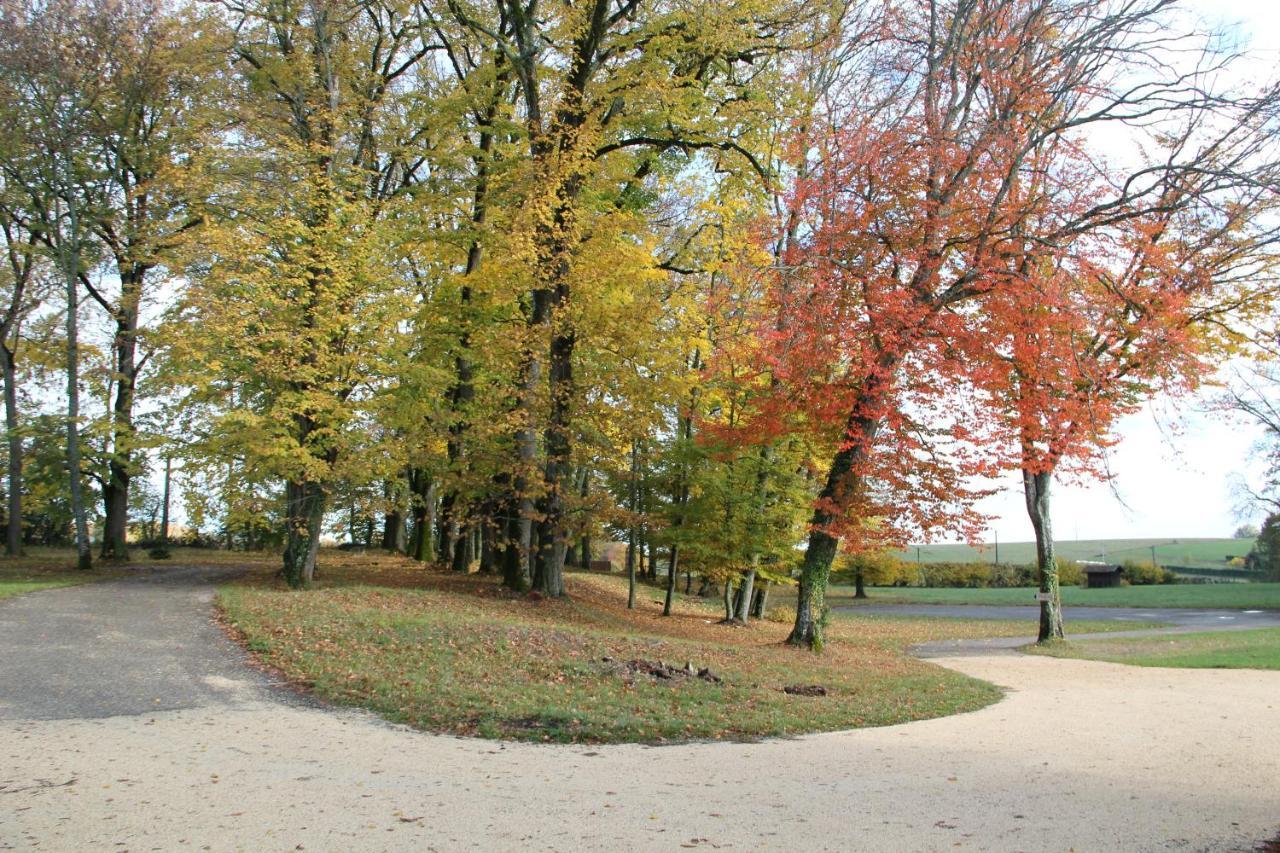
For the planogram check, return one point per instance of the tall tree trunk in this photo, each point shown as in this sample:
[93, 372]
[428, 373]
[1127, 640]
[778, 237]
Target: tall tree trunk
[70, 258]
[815, 570]
[631, 532]
[842, 482]
[859, 591]
[164, 508]
[13, 527]
[1035, 488]
[120, 464]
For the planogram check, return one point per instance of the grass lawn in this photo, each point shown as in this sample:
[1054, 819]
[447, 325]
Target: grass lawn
[1241, 596]
[49, 568]
[1207, 553]
[1258, 649]
[457, 654]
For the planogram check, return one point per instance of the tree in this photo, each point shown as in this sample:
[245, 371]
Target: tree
[300, 294]
[914, 208]
[53, 60]
[606, 92]
[1265, 556]
[1245, 531]
[24, 290]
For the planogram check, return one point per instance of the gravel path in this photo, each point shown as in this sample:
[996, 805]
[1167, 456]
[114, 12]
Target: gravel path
[1080, 755]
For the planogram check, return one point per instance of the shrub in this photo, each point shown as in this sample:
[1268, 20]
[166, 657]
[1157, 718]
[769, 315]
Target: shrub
[877, 569]
[781, 613]
[1145, 573]
[1011, 574]
[971, 575]
[1069, 572]
[159, 553]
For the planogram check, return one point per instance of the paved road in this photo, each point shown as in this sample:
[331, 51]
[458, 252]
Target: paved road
[127, 722]
[135, 646]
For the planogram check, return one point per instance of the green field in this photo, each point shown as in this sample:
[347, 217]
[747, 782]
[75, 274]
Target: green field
[1212, 649]
[1192, 553]
[1242, 596]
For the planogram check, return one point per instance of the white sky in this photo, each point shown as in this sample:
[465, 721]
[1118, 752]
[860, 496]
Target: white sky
[1174, 469]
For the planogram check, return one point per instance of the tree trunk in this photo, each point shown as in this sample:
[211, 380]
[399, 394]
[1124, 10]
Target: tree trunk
[304, 517]
[631, 531]
[745, 596]
[462, 555]
[120, 464]
[631, 569]
[761, 602]
[1035, 488]
[164, 509]
[422, 491]
[488, 554]
[673, 567]
[70, 258]
[728, 601]
[815, 570]
[13, 527]
[859, 591]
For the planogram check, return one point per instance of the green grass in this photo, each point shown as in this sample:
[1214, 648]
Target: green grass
[1242, 596]
[10, 587]
[454, 654]
[1004, 627]
[1197, 553]
[1257, 649]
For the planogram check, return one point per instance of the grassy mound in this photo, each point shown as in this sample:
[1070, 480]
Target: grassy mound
[457, 654]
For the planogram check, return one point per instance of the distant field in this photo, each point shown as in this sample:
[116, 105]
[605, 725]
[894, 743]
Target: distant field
[1193, 553]
[1243, 596]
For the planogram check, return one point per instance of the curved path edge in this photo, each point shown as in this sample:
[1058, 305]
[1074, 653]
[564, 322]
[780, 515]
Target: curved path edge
[1080, 755]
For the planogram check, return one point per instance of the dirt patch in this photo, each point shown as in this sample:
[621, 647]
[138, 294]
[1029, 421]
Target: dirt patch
[805, 690]
[660, 671]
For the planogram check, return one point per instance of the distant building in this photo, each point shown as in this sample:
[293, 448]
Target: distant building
[1099, 575]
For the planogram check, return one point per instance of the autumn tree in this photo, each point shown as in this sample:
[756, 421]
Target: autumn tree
[916, 197]
[300, 293]
[606, 91]
[54, 58]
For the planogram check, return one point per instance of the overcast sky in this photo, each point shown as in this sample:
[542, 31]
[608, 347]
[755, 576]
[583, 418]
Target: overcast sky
[1175, 467]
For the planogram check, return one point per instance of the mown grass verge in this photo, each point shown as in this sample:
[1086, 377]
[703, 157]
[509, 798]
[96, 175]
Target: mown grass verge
[1240, 596]
[1256, 649]
[456, 654]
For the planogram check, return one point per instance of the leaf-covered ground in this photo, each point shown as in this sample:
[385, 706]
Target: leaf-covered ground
[458, 654]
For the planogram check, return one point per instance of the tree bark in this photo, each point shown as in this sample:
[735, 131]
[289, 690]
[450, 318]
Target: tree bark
[422, 506]
[1035, 488]
[164, 509]
[304, 508]
[70, 259]
[13, 527]
[859, 590]
[842, 481]
[761, 602]
[673, 568]
[115, 494]
[745, 596]
[631, 532]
